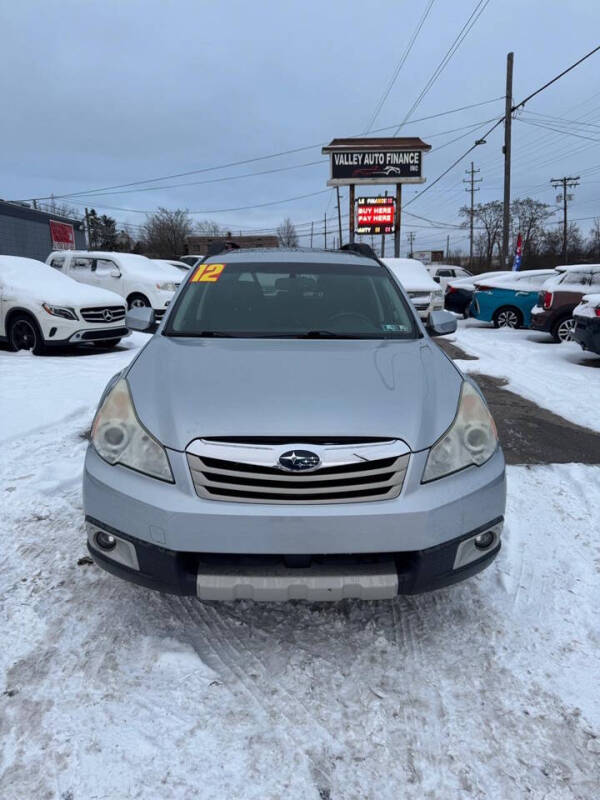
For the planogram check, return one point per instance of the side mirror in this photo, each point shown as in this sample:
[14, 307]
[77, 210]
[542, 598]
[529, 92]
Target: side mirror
[436, 278]
[441, 323]
[115, 272]
[141, 319]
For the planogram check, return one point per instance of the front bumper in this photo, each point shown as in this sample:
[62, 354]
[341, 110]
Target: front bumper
[279, 578]
[587, 333]
[60, 338]
[174, 519]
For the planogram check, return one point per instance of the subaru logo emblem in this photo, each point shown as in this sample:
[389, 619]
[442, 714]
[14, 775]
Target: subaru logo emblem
[299, 460]
[107, 314]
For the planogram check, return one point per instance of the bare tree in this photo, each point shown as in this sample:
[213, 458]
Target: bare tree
[52, 206]
[286, 233]
[165, 232]
[206, 227]
[594, 241]
[528, 218]
[488, 218]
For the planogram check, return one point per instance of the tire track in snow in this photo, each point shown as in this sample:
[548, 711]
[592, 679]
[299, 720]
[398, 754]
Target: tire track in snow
[219, 647]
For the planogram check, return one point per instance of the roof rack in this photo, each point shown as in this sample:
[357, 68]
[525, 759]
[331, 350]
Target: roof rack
[360, 248]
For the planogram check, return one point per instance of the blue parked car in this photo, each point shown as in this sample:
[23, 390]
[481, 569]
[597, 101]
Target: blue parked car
[507, 301]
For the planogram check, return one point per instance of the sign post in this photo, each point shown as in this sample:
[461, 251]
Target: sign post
[376, 162]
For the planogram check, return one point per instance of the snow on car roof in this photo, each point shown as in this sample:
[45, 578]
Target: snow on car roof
[46, 284]
[412, 274]
[579, 268]
[512, 280]
[142, 266]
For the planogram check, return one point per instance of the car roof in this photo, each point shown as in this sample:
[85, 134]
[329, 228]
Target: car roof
[284, 255]
[579, 268]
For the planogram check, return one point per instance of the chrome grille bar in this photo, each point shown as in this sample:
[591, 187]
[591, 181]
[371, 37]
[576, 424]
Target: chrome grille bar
[99, 314]
[346, 475]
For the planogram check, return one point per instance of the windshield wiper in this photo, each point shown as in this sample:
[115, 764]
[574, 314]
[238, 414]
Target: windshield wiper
[194, 335]
[332, 335]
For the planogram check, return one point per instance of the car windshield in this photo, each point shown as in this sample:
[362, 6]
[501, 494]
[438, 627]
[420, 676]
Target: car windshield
[312, 300]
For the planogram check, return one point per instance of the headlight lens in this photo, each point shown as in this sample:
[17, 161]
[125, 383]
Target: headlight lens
[167, 286]
[471, 439]
[59, 311]
[120, 438]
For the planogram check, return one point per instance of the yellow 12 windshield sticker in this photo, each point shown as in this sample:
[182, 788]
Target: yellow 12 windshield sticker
[207, 273]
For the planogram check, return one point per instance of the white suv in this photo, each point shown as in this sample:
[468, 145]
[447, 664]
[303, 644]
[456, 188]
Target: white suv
[445, 273]
[139, 280]
[426, 296]
[40, 307]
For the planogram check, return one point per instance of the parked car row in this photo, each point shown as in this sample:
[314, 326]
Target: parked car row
[79, 297]
[551, 301]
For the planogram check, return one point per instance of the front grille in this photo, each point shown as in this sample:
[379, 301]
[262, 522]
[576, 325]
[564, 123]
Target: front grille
[359, 480]
[112, 333]
[99, 315]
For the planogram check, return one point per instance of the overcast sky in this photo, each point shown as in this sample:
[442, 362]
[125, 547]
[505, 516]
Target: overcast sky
[102, 93]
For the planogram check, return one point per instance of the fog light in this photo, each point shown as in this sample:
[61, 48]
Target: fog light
[105, 541]
[484, 540]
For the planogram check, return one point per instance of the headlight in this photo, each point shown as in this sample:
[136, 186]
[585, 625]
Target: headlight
[120, 438]
[471, 439]
[167, 286]
[437, 295]
[59, 311]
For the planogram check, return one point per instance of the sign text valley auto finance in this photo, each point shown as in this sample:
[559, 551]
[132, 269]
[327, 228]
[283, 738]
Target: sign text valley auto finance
[375, 164]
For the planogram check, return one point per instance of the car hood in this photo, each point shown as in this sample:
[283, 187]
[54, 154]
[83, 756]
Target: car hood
[184, 389]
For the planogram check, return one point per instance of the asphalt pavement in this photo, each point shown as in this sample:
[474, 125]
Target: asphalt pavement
[528, 433]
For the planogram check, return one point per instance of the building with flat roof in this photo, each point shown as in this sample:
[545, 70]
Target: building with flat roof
[32, 233]
[199, 245]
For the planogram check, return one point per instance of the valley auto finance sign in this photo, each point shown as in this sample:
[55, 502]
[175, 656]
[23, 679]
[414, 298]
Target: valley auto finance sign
[375, 214]
[379, 165]
[62, 235]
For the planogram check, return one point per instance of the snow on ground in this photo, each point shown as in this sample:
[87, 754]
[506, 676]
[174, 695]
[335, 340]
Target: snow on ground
[36, 392]
[560, 377]
[486, 690]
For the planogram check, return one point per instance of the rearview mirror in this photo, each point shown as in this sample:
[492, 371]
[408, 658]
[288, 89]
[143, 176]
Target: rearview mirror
[441, 323]
[115, 272]
[140, 318]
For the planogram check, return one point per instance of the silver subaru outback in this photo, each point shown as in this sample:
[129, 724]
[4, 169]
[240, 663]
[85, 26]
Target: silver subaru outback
[292, 432]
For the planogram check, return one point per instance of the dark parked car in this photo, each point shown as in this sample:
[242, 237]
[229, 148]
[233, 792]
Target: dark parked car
[587, 323]
[556, 303]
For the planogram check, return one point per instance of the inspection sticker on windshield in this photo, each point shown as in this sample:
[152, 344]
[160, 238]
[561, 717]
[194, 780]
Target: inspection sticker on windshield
[393, 327]
[207, 273]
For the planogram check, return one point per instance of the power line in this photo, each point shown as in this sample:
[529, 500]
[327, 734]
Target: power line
[248, 160]
[399, 66]
[482, 140]
[564, 72]
[462, 35]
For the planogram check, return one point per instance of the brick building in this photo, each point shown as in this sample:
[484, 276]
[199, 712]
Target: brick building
[198, 245]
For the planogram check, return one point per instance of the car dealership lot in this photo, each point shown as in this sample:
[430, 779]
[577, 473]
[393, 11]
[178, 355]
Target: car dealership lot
[485, 689]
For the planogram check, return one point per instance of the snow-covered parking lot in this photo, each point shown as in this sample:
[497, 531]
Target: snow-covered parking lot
[488, 689]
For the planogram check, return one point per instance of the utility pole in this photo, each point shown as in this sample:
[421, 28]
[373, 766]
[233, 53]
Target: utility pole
[325, 231]
[383, 236]
[447, 247]
[398, 220]
[411, 238]
[311, 234]
[506, 149]
[339, 210]
[89, 231]
[472, 172]
[564, 183]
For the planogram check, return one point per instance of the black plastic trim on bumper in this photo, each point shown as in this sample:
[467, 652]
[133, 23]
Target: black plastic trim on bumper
[175, 572]
[587, 334]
